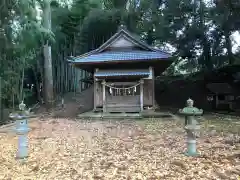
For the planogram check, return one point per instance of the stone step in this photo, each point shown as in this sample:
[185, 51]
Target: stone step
[120, 116]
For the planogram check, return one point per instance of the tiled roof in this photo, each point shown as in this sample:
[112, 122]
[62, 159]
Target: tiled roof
[121, 56]
[109, 73]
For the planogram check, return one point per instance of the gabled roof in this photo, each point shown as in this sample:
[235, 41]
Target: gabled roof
[109, 56]
[98, 55]
[123, 32]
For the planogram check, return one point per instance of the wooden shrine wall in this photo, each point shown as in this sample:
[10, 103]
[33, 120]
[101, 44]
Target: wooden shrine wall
[148, 92]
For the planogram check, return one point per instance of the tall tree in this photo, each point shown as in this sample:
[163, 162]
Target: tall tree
[226, 18]
[48, 76]
[204, 39]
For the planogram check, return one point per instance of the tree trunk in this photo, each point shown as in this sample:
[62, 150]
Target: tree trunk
[229, 47]
[37, 83]
[1, 106]
[48, 76]
[227, 34]
[205, 43]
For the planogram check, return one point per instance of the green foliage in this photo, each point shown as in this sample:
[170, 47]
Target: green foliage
[191, 27]
[199, 32]
[21, 38]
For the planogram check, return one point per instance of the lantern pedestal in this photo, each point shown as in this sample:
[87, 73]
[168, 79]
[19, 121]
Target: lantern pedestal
[21, 117]
[191, 140]
[22, 131]
[191, 126]
[22, 147]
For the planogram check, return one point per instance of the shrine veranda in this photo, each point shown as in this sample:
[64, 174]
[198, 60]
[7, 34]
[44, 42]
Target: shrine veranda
[117, 95]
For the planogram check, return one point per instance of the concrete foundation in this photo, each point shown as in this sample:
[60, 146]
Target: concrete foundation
[143, 114]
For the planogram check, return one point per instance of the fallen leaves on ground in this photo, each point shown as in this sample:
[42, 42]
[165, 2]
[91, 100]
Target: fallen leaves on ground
[62, 149]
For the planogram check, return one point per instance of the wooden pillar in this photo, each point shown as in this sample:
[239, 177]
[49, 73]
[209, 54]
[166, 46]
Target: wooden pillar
[141, 94]
[94, 89]
[81, 83]
[94, 92]
[153, 90]
[104, 95]
[216, 101]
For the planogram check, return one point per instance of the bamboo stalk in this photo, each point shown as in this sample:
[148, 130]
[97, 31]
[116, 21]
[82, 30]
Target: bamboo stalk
[1, 108]
[62, 74]
[81, 83]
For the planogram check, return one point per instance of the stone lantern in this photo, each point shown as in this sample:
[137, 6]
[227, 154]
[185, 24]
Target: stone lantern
[191, 126]
[21, 117]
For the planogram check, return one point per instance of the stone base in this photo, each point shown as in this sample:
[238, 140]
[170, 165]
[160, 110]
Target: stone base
[22, 160]
[100, 115]
[192, 154]
[143, 114]
[155, 114]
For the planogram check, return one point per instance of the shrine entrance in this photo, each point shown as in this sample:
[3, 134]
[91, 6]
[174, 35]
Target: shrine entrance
[122, 97]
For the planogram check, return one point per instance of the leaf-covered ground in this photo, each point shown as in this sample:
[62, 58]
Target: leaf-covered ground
[62, 149]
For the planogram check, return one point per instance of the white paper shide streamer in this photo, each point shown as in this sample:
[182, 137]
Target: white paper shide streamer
[119, 91]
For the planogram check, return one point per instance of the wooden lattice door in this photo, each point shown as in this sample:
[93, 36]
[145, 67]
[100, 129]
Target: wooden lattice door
[123, 98]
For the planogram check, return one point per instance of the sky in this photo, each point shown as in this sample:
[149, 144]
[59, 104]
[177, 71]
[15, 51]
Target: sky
[236, 41]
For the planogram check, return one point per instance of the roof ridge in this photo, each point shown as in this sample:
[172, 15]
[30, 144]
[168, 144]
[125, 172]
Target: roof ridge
[122, 30]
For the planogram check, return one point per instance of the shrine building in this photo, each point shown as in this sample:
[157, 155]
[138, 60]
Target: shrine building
[124, 69]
